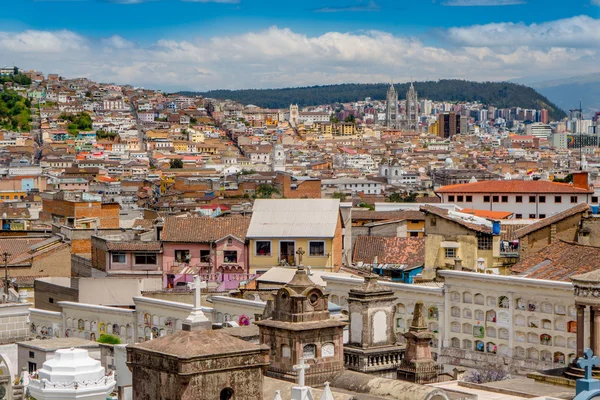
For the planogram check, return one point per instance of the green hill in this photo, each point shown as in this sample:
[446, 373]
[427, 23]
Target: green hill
[498, 94]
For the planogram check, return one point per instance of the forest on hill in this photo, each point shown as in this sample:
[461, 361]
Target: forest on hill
[497, 94]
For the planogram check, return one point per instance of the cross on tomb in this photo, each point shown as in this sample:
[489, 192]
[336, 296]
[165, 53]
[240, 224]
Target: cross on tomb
[197, 293]
[300, 253]
[301, 367]
[588, 361]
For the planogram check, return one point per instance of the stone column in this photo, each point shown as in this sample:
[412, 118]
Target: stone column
[595, 322]
[580, 330]
[593, 331]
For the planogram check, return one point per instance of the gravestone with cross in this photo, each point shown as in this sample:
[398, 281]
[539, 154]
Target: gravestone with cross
[301, 392]
[588, 387]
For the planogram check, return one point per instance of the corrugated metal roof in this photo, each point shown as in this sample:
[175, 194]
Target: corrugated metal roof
[294, 218]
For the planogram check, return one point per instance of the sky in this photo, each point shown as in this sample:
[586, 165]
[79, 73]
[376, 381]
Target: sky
[231, 44]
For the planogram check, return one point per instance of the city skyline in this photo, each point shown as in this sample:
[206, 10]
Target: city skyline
[202, 45]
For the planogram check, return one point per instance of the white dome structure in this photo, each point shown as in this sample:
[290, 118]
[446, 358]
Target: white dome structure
[71, 374]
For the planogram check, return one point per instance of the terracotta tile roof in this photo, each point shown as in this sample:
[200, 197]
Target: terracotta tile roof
[204, 229]
[443, 213]
[144, 224]
[385, 215]
[513, 186]
[559, 261]
[429, 199]
[409, 251]
[580, 208]
[487, 213]
[133, 246]
[507, 231]
[18, 247]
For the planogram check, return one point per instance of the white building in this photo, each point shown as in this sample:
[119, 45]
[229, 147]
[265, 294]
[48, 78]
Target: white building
[351, 185]
[71, 374]
[526, 199]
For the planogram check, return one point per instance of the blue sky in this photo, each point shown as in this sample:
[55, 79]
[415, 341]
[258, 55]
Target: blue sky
[207, 44]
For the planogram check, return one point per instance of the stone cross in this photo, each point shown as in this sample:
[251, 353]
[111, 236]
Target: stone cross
[300, 253]
[301, 367]
[588, 361]
[197, 291]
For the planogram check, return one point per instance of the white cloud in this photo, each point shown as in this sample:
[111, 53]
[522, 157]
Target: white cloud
[484, 3]
[279, 57]
[118, 42]
[596, 2]
[579, 31]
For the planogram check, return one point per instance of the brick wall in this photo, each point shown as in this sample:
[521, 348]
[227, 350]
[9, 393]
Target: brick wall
[47, 295]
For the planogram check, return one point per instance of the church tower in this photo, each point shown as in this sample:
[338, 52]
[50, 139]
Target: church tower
[294, 114]
[412, 108]
[391, 107]
[278, 157]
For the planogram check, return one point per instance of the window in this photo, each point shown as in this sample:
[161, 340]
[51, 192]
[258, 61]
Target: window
[145, 258]
[118, 258]
[31, 367]
[50, 300]
[205, 256]
[31, 354]
[226, 394]
[542, 216]
[505, 199]
[230, 256]
[573, 199]
[433, 221]
[263, 248]
[495, 199]
[182, 255]
[558, 199]
[486, 199]
[542, 199]
[484, 242]
[594, 199]
[309, 351]
[450, 253]
[469, 199]
[519, 199]
[460, 199]
[532, 199]
[450, 198]
[531, 216]
[316, 249]
[414, 234]
[519, 216]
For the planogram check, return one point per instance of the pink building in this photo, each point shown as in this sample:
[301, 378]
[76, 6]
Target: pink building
[215, 248]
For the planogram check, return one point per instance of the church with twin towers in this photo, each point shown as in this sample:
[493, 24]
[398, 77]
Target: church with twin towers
[409, 120]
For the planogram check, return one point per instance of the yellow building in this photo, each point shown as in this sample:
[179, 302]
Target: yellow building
[345, 129]
[294, 231]
[12, 195]
[434, 128]
[180, 146]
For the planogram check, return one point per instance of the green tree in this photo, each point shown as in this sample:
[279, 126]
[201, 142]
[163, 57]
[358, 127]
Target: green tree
[367, 205]
[266, 191]
[350, 119]
[402, 198]
[176, 163]
[334, 119]
[566, 179]
[339, 195]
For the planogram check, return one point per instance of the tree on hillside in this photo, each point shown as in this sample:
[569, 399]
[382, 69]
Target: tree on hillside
[339, 195]
[351, 119]
[402, 198]
[266, 191]
[176, 163]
